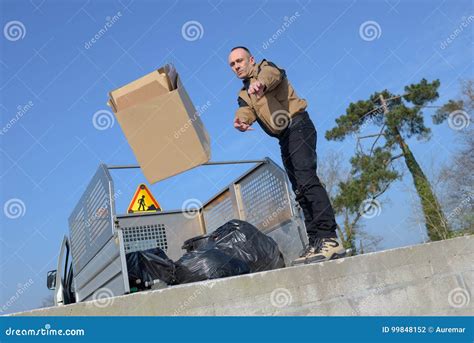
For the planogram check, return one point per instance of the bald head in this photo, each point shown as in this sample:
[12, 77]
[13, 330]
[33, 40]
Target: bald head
[241, 62]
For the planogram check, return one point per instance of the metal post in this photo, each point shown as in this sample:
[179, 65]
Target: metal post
[134, 166]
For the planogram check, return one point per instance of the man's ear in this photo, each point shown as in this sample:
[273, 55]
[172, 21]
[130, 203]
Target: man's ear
[252, 60]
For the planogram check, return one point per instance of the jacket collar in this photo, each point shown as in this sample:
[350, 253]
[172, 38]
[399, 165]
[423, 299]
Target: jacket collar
[253, 71]
[253, 74]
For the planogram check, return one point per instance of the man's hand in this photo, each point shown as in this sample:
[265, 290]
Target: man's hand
[256, 88]
[241, 126]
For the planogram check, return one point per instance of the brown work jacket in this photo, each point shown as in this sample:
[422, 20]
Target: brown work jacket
[279, 103]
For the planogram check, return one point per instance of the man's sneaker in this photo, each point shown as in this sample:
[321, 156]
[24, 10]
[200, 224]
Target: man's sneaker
[325, 249]
[308, 251]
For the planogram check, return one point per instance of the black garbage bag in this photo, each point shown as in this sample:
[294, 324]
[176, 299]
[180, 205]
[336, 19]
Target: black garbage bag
[208, 264]
[197, 243]
[245, 242]
[148, 265]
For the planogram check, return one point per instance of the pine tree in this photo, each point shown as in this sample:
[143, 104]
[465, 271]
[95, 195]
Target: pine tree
[399, 117]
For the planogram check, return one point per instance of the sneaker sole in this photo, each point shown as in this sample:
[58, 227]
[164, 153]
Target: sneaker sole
[347, 252]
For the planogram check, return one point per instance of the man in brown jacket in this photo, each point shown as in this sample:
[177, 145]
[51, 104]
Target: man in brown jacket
[268, 98]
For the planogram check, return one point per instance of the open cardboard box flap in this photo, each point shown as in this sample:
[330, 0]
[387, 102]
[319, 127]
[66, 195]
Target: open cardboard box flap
[153, 84]
[161, 124]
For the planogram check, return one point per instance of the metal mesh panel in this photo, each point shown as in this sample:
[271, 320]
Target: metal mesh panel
[77, 235]
[97, 205]
[91, 222]
[166, 230]
[143, 237]
[265, 198]
[218, 212]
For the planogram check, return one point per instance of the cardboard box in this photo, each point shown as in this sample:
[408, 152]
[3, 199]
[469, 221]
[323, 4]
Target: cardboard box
[161, 124]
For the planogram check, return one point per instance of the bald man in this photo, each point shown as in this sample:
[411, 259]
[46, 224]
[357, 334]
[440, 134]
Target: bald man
[268, 98]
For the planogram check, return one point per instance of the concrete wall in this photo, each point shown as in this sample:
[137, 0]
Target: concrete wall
[427, 279]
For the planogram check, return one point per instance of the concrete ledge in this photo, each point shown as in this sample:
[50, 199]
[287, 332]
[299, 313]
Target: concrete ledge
[422, 280]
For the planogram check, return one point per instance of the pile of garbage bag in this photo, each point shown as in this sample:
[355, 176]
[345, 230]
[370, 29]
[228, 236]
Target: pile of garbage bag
[235, 248]
[146, 266]
[208, 264]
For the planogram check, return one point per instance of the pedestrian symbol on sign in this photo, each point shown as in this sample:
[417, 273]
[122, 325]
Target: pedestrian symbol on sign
[143, 201]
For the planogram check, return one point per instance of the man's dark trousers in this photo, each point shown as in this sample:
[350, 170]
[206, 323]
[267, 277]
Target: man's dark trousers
[298, 152]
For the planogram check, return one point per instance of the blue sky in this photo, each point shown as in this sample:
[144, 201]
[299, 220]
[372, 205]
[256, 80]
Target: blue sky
[50, 153]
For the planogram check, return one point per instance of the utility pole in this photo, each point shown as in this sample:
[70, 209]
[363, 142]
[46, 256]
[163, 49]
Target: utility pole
[384, 104]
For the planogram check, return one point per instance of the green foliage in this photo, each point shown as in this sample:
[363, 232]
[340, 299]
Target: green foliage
[371, 175]
[422, 93]
[352, 121]
[443, 112]
[436, 223]
[408, 120]
[460, 233]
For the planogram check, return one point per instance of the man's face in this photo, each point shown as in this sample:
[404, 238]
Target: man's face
[241, 63]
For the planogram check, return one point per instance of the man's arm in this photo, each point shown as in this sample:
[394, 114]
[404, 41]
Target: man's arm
[244, 116]
[270, 76]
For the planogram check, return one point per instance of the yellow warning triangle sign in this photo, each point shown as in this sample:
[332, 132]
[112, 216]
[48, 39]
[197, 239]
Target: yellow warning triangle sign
[143, 201]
